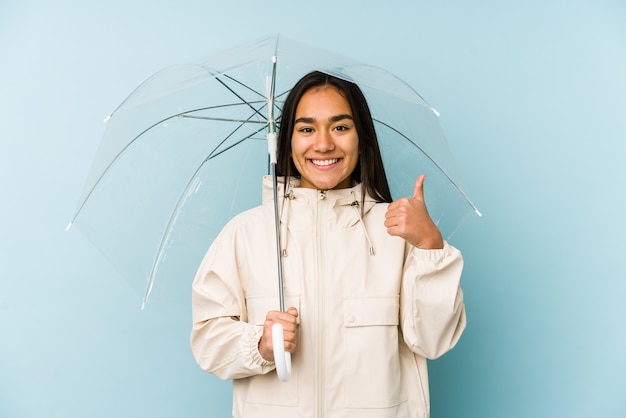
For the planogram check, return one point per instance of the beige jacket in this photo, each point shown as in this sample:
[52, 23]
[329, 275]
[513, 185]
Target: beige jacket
[372, 309]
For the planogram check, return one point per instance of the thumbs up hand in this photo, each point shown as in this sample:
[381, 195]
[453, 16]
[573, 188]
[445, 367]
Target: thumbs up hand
[408, 218]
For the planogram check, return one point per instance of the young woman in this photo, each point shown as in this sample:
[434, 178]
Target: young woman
[372, 289]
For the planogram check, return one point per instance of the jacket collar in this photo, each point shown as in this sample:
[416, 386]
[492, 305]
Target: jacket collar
[346, 203]
[339, 196]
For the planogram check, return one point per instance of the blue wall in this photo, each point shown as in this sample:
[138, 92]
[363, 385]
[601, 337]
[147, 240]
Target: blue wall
[532, 101]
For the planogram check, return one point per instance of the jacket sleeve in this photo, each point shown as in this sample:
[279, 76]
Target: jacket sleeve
[222, 342]
[432, 312]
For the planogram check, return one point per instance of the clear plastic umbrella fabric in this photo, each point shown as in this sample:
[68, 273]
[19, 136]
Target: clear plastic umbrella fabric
[187, 150]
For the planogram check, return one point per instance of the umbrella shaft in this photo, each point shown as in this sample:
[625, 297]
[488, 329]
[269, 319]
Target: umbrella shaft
[281, 292]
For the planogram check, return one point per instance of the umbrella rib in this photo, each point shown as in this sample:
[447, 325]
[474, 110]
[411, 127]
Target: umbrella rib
[183, 115]
[180, 200]
[456, 186]
[234, 80]
[243, 101]
[212, 155]
[168, 229]
[186, 114]
[130, 143]
[111, 163]
[174, 215]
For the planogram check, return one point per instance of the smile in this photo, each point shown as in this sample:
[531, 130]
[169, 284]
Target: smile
[323, 163]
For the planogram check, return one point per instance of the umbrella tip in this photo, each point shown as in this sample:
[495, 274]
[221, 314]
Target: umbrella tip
[107, 119]
[479, 213]
[435, 111]
[67, 228]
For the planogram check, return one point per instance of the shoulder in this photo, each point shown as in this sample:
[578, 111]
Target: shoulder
[250, 219]
[241, 229]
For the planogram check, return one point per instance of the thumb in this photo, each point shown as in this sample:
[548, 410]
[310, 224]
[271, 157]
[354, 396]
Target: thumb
[418, 189]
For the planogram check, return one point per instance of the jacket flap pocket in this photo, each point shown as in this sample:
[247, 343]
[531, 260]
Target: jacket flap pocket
[258, 307]
[362, 312]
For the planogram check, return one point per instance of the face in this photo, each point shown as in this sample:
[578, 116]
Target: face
[324, 142]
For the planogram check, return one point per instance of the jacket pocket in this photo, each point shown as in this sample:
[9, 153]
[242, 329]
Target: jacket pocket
[267, 389]
[373, 372]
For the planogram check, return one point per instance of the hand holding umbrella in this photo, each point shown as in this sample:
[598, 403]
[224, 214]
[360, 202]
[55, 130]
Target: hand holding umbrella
[408, 218]
[279, 340]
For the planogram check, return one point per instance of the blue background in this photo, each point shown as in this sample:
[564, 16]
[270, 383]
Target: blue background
[532, 100]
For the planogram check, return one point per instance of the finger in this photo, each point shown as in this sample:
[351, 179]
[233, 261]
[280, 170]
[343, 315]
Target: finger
[397, 206]
[418, 189]
[290, 336]
[289, 327]
[291, 347]
[287, 319]
[270, 316]
[280, 316]
[292, 311]
[290, 317]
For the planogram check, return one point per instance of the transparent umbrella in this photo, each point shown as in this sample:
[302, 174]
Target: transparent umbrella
[188, 148]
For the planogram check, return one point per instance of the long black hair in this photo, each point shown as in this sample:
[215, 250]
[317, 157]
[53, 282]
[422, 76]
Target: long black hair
[369, 169]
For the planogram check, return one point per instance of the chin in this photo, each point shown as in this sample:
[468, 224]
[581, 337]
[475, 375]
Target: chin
[329, 186]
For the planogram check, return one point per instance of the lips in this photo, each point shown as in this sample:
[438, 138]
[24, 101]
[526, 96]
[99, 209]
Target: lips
[324, 163]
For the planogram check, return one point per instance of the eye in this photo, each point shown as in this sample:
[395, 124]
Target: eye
[305, 130]
[341, 128]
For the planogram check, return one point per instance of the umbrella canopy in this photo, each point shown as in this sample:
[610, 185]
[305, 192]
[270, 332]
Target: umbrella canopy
[187, 150]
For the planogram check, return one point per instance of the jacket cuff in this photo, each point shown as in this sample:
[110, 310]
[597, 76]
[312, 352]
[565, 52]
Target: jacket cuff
[255, 335]
[434, 256]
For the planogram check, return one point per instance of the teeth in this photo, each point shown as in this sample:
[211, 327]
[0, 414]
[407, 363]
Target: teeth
[325, 162]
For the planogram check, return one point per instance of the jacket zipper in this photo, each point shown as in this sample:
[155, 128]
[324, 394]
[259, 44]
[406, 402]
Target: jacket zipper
[321, 307]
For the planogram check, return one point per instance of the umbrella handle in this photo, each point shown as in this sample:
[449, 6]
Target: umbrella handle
[282, 358]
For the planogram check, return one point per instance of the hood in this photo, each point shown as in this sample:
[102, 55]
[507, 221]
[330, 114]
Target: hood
[294, 191]
[340, 199]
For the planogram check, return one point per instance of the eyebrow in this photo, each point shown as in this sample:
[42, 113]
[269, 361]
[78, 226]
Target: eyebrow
[333, 119]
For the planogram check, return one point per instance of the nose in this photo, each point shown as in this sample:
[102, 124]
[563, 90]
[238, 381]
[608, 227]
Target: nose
[324, 141]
